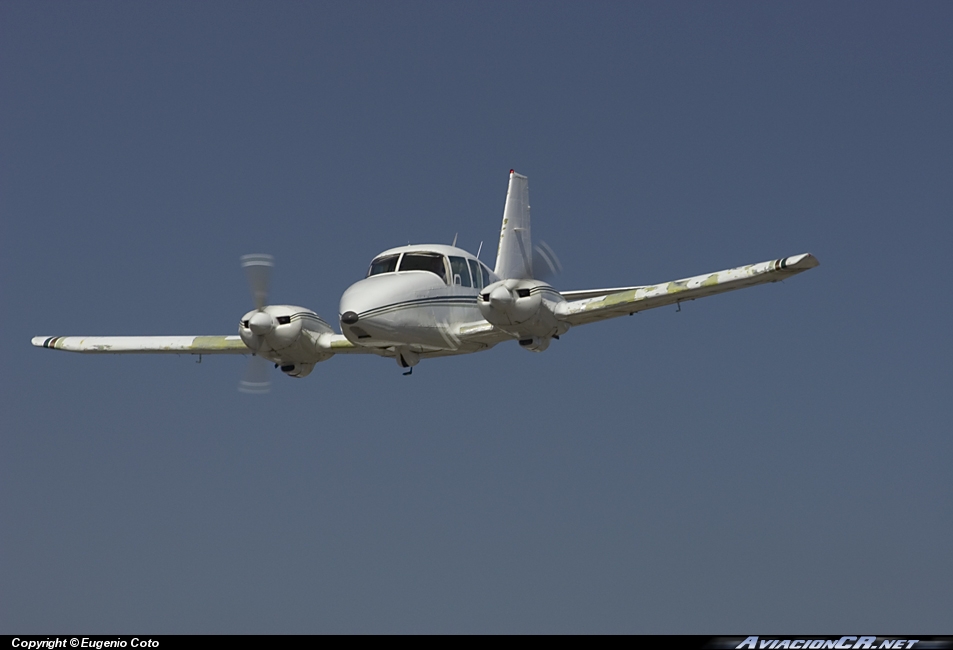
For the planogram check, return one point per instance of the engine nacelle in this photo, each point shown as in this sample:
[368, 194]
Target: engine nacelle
[524, 308]
[287, 335]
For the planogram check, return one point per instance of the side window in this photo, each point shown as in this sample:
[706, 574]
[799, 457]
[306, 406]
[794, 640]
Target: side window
[386, 264]
[460, 271]
[475, 274]
[486, 274]
[432, 262]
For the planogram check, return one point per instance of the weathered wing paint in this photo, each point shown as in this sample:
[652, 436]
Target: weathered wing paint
[635, 299]
[144, 344]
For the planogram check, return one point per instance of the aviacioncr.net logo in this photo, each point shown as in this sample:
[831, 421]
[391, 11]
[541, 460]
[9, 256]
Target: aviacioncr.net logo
[843, 643]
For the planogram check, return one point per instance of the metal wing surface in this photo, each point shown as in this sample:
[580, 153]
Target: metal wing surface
[589, 306]
[222, 344]
[231, 344]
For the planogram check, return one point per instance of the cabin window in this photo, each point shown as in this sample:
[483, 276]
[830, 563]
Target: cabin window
[475, 274]
[460, 271]
[432, 262]
[386, 264]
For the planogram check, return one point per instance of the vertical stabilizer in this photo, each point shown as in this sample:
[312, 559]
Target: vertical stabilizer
[514, 257]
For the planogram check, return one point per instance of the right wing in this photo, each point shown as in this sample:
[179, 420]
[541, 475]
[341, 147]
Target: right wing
[589, 306]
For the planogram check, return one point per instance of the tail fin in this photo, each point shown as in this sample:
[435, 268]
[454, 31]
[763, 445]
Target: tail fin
[514, 257]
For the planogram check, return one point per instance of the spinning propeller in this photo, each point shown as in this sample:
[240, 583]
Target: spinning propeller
[258, 267]
[546, 264]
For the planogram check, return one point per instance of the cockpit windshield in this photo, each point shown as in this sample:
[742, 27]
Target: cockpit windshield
[386, 264]
[432, 262]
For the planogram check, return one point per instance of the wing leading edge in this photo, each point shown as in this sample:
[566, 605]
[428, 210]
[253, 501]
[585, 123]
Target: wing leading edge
[144, 344]
[223, 344]
[600, 304]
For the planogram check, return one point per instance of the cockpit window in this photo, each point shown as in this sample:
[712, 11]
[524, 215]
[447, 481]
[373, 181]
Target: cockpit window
[386, 264]
[475, 274]
[486, 274]
[432, 262]
[460, 271]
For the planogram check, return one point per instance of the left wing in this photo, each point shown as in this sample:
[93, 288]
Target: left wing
[231, 344]
[599, 304]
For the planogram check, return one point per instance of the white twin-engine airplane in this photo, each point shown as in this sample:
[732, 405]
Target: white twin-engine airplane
[428, 301]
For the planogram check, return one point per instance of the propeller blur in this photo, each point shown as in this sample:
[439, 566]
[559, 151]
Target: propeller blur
[422, 301]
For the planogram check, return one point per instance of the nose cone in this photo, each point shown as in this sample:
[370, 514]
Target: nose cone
[384, 309]
[370, 294]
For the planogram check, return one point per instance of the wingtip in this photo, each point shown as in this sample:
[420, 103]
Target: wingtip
[802, 262]
[40, 341]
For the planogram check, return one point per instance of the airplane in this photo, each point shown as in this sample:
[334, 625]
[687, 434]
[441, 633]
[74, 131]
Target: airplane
[424, 301]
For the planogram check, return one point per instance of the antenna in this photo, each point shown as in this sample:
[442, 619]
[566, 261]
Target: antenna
[455, 239]
[479, 249]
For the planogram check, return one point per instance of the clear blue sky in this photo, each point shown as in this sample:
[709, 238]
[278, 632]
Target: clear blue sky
[772, 459]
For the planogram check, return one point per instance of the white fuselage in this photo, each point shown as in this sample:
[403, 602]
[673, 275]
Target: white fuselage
[416, 309]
